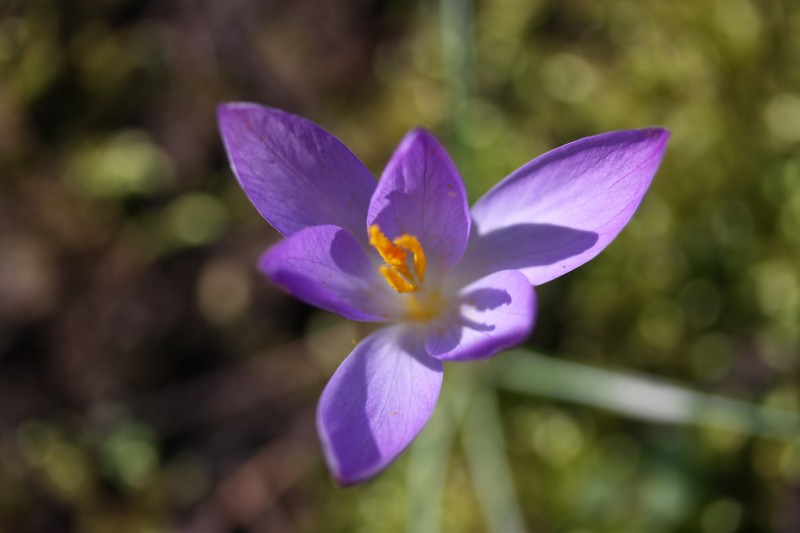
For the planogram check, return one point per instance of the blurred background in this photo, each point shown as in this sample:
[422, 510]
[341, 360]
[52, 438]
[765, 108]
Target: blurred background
[151, 380]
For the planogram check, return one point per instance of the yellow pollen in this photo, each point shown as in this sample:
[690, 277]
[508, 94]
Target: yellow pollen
[393, 255]
[396, 281]
[397, 272]
[411, 244]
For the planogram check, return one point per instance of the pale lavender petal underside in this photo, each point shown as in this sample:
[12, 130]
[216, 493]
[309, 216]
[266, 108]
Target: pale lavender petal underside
[295, 173]
[561, 209]
[376, 403]
[494, 313]
[421, 193]
[326, 267]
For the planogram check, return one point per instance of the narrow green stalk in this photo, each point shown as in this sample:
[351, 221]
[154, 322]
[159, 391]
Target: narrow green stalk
[457, 51]
[427, 471]
[458, 69]
[485, 451]
[639, 396]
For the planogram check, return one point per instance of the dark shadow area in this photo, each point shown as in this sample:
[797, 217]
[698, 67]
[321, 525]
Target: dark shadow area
[348, 254]
[524, 246]
[482, 299]
[429, 215]
[351, 437]
[414, 345]
[511, 248]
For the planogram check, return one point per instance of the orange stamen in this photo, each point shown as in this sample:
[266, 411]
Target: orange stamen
[397, 282]
[397, 272]
[393, 255]
[411, 244]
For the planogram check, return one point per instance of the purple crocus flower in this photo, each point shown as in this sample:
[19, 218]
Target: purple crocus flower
[453, 283]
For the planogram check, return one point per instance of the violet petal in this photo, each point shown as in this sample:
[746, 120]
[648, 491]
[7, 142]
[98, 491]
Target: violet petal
[421, 193]
[561, 209]
[375, 404]
[494, 313]
[295, 173]
[325, 266]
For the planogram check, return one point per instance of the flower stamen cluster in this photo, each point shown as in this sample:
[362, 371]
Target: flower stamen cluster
[396, 271]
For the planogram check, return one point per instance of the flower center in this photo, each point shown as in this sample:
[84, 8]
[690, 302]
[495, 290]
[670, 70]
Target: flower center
[404, 271]
[398, 273]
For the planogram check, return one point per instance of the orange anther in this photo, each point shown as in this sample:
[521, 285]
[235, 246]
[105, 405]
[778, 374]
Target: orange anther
[397, 271]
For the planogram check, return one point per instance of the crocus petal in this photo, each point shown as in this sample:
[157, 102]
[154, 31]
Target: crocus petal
[326, 267]
[376, 403]
[421, 193]
[295, 173]
[495, 313]
[561, 209]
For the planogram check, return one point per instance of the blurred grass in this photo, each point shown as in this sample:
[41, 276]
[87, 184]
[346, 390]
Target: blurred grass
[150, 380]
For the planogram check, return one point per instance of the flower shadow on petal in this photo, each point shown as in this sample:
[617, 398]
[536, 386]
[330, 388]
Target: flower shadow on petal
[370, 410]
[326, 267]
[346, 256]
[524, 246]
[490, 315]
[414, 345]
[443, 237]
[483, 299]
[349, 440]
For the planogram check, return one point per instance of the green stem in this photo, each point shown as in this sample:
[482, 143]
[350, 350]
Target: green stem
[427, 471]
[485, 451]
[639, 396]
[458, 67]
